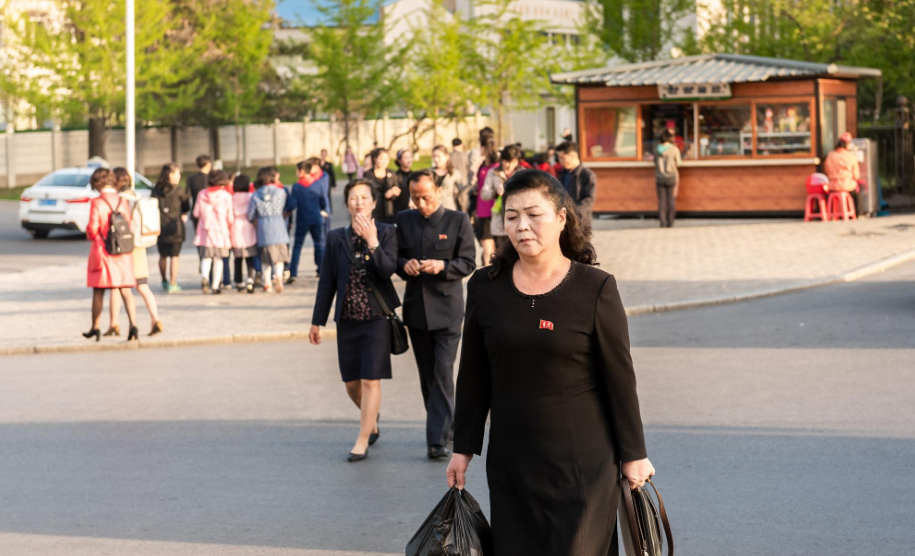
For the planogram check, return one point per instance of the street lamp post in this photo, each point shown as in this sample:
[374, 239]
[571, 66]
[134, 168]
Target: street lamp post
[130, 131]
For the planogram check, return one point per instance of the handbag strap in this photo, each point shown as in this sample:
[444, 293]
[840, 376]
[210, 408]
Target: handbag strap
[114, 209]
[360, 267]
[633, 526]
[664, 520]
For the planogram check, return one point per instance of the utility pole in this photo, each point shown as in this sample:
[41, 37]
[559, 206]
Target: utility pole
[130, 130]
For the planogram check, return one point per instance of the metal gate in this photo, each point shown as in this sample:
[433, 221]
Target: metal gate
[896, 149]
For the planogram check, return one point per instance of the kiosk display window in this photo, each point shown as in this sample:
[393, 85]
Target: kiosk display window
[725, 130]
[783, 128]
[610, 132]
[677, 118]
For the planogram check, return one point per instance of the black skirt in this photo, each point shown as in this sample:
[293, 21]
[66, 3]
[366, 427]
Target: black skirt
[364, 349]
[169, 249]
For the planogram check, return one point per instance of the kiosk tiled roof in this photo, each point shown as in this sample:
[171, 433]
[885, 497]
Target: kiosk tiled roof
[709, 68]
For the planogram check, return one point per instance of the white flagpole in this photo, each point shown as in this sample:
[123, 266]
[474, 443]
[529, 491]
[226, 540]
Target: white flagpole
[130, 131]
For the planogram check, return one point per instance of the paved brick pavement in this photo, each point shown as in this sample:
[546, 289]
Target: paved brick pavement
[50, 306]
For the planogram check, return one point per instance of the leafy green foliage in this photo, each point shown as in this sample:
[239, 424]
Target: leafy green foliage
[510, 60]
[235, 39]
[438, 81]
[868, 33]
[359, 74]
[73, 61]
[642, 30]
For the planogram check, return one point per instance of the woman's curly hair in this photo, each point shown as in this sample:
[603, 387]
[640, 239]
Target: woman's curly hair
[575, 239]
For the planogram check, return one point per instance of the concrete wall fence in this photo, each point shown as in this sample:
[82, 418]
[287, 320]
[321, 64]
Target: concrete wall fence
[26, 157]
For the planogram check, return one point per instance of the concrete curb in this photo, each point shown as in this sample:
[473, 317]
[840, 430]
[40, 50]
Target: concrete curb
[331, 334]
[327, 334]
[866, 270]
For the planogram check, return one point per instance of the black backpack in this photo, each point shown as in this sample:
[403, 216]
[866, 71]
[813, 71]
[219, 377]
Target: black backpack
[120, 237]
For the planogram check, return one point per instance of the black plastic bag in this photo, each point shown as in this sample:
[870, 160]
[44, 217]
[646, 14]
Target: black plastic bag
[456, 527]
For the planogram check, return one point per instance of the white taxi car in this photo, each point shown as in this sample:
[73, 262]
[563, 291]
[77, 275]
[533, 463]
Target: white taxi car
[60, 201]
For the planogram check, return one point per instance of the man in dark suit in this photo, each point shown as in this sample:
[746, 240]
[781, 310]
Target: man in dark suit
[198, 182]
[436, 251]
[579, 182]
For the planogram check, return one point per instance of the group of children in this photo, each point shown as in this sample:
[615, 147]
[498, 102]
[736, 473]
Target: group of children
[247, 219]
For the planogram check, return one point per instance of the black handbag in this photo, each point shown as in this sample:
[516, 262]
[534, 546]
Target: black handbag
[399, 342]
[645, 520]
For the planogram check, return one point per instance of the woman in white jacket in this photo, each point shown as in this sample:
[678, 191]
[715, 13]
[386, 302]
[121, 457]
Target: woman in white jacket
[494, 186]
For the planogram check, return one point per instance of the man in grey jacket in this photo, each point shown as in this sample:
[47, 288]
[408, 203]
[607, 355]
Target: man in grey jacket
[667, 178]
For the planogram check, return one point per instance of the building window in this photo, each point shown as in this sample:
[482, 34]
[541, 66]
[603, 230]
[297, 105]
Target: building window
[610, 132]
[725, 130]
[676, 118]
[783, 128]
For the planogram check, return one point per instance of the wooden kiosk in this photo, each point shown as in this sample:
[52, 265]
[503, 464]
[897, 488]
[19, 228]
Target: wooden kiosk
[750, 129]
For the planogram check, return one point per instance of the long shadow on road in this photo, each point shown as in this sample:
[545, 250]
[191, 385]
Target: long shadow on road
[284, 484]
[278, 484]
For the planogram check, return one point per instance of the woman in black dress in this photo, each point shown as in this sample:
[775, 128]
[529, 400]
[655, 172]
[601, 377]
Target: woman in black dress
[174, 205]
[358, 258]
[388, 192]
[546, 353]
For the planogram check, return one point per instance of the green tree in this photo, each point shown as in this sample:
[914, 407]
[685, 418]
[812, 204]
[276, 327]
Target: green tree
[357, 71]
[642, 30]
[71, 61]
[885, 39]
[509, 60]
[586, 52]
[438, 83]
[810, 30]
[869, 33]
[238, 38]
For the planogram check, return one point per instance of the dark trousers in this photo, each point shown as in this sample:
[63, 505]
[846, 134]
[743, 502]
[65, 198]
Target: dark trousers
[318, 236]
[249, 264]
[667, 203]
[435, 352]
[226, 275]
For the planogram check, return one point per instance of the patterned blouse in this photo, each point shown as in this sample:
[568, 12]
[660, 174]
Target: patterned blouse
[356, 306]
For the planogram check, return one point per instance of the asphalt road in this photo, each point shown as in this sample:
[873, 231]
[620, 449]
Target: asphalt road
[782, 426]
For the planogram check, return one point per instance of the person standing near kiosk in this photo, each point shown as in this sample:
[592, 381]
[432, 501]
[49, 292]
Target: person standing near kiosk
[436, 250]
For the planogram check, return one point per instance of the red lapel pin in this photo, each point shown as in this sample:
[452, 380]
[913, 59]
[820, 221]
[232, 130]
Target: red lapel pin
[545, 325]
[443, 236]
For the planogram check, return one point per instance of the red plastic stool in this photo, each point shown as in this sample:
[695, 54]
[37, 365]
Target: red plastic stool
[841, 205]
[816, 207]
[817, 189]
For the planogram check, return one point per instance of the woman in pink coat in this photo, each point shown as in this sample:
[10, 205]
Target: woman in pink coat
[213, 239]
[244, 233]
[106, 271]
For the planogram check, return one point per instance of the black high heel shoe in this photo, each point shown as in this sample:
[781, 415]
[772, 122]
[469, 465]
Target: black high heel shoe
[94, 332]
[133, 334]
[357, 457]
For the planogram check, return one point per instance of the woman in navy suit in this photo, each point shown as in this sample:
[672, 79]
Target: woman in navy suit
[358, 259]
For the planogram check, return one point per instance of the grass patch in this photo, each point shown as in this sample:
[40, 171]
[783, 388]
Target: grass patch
[12, 194]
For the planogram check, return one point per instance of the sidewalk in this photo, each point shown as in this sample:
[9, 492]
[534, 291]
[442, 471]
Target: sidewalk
[657, 269]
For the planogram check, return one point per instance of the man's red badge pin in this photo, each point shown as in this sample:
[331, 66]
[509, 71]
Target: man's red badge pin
[443, 236]
[545, 325]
